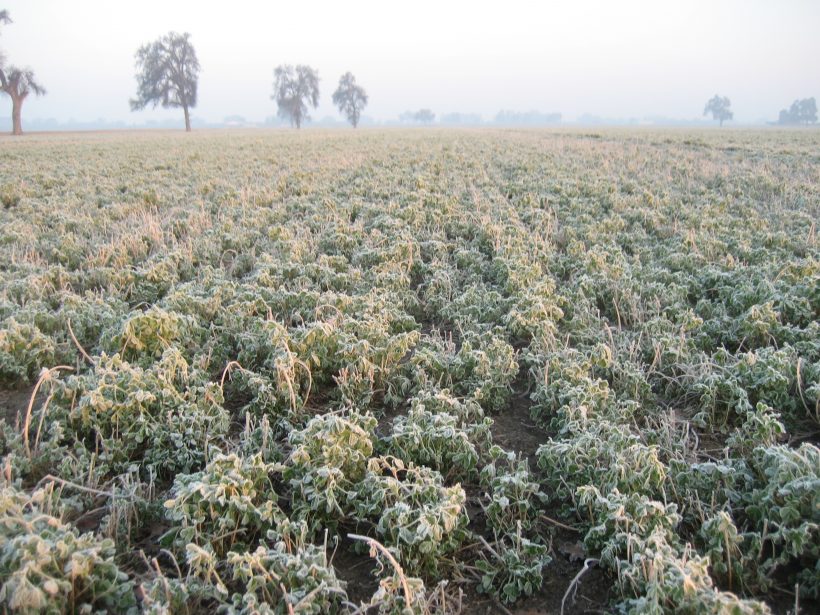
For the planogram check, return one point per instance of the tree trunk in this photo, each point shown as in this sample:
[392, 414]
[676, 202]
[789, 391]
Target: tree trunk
[16, 108]
[187, 118]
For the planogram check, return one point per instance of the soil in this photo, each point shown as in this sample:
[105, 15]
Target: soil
[14, 402]
[356, 569]
[515, 430]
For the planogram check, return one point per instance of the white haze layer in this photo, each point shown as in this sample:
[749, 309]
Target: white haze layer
[630, 59]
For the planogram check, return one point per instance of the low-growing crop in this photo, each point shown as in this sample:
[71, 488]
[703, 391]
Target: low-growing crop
[415, 513]
[514, 567]
[291, 576]
[515, 497]
[299, 341]
[328, 462]
[440, 441]
[163, 418]
[230, 503]
[47, 566]
[24, 351]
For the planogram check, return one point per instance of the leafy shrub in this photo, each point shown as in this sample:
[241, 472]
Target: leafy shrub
[723, 547]
[163, 418]
[761, 427]
[482, 368]
[637, 538]
[765, 376]
[265, 396]
[567, 395]
[514, 567]
[783, 511]
[620, 522]
[438, 401]
[608, 455]
[265, 350]
[390, 599]
[147, 335]
[535, 311]
[290, 576]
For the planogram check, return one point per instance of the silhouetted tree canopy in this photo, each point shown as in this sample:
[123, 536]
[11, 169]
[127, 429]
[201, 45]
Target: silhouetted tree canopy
[4, 19]
[18, 84]
[718, 106]
[350, 98]
[294, 90]
[422, 116]
[167, 73]
[801, 112]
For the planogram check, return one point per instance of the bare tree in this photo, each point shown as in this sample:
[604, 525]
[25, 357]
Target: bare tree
[718, 106]
[294, 90]
[350, 98]
[18, 84]
[167, 73]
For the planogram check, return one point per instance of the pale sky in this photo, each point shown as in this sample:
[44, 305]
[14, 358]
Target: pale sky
[608, 58]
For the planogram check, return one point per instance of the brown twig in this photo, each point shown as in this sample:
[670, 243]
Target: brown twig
[559, 524]
[77, 344]
[45, 375]
[376, 545]
[67, 483]
[227, 371]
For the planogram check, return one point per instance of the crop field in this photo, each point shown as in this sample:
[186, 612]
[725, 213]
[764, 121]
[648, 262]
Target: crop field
[410, 371]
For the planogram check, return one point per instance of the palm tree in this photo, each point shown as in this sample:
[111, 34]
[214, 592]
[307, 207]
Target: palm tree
[18, 84]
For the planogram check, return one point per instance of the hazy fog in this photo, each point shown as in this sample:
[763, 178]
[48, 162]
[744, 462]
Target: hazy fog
[608, 58]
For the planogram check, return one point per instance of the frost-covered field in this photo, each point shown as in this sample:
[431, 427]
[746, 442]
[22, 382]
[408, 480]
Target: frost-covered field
[498, 359]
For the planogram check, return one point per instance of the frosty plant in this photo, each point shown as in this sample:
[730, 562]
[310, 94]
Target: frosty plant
[328, 460]
[439, 441]
[513, 567]
[414, 512]
[46, 565]
[291, 576]
[514, 496]
[162, 418]
[228, 504]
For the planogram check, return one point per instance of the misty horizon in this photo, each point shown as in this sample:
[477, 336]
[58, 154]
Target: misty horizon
[618, 62]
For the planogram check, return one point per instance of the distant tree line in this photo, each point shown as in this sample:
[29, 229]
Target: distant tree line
[168, 75]
[422, 116]
[801, 112]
